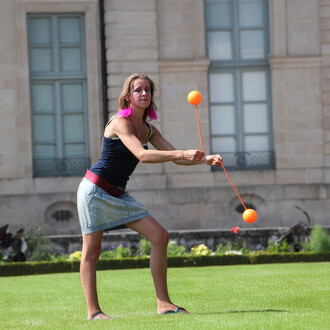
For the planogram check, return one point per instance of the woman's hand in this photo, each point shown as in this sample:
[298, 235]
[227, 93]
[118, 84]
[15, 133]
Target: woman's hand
[214, 160]
[193, 155]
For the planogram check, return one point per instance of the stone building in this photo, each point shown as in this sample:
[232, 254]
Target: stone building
[263, 68]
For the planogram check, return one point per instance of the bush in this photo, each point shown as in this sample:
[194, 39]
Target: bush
[200, 250]
[40, 247]
[174, 249]
[222, 249]
[35, 268]
[319, 241]
[145, 247]
[46, 267]
[111, 254]
[269, 258]
[2, 256]
[278, 247]
[125, 263]
[62, 257]
[121, 251]
[75, 256]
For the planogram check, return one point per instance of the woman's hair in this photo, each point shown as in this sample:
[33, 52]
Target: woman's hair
[126, 91]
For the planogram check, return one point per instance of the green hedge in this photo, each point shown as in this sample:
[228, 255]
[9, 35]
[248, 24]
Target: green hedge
[44, 267]
[289, 257]
[208, 260]
[35, 267]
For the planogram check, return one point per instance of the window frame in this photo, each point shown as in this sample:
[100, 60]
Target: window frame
[60, 165]
[241, 159]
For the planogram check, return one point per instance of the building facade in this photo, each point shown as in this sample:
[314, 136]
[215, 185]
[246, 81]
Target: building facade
[262, 67]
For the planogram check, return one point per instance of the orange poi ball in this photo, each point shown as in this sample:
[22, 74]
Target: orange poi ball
[250, 215]
[194, 97]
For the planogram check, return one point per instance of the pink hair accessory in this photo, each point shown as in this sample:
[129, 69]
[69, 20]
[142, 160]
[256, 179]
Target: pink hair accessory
[152, 114]
[125, 112]
[128, 111]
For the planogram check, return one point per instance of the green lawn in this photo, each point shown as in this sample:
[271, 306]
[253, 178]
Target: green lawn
[272, 296]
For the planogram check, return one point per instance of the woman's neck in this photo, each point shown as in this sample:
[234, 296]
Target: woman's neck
[137, 115]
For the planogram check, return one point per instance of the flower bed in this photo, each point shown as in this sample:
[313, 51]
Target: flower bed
[122, 256]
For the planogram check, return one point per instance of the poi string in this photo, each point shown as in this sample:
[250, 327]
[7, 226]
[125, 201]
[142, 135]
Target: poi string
[199, 129]
[233, 185]
[194, 97]
[249, 215]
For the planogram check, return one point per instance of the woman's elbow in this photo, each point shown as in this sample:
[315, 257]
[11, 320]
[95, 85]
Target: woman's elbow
[143, 157]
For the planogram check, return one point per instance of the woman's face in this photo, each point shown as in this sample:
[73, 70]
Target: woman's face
[140, 96]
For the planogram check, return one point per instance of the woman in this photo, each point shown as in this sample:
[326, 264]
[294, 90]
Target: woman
[102, 201]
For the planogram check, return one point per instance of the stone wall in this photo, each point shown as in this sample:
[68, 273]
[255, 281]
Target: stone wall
[325, 84]
[25, 200]
[166, 40]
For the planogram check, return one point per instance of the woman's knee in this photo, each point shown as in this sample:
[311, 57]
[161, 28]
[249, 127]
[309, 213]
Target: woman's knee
[150, 229]
[161, 237]
[91, 254]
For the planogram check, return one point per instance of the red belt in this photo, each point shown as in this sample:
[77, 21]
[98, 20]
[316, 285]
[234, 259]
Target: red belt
[104, 184]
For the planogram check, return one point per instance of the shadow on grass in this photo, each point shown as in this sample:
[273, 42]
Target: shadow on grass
[248, 311]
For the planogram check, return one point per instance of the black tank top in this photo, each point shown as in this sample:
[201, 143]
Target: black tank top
[116, 162]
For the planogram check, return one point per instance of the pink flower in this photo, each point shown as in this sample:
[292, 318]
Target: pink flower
[235, 230]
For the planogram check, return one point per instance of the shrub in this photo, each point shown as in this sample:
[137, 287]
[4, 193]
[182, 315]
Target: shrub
[174, 249]
[278, 247]
[46, 267]
[222, 249]
[2, 256]
[272, 247]
[319, 241]
[200, 250]
[144, 247]
[111, 254]
[62, 257]
[75, 256]
[123, 252]
[40, 247]
[236, 248]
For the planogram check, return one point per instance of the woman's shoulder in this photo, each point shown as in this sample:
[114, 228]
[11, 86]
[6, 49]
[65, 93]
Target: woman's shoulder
[115, 123]
[117, 118]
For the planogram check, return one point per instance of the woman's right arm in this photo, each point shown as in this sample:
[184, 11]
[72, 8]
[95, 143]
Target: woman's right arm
[159, 142]
[121, 128]
[188, 157]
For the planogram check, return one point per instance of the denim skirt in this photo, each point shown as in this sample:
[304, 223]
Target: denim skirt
[98, 210]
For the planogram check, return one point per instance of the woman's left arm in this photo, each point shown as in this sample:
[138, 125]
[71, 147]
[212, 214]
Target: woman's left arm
[160, 143]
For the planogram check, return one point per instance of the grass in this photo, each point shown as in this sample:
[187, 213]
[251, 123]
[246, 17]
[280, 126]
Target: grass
[273, 296]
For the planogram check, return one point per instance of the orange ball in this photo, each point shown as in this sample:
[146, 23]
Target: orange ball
[250, 215]
[194, 97]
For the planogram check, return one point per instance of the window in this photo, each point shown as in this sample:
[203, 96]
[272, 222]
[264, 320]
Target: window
[58, 94]
[239, 82]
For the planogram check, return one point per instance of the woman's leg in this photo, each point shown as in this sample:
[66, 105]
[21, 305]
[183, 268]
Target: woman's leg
[90, 254]
[159, 237]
